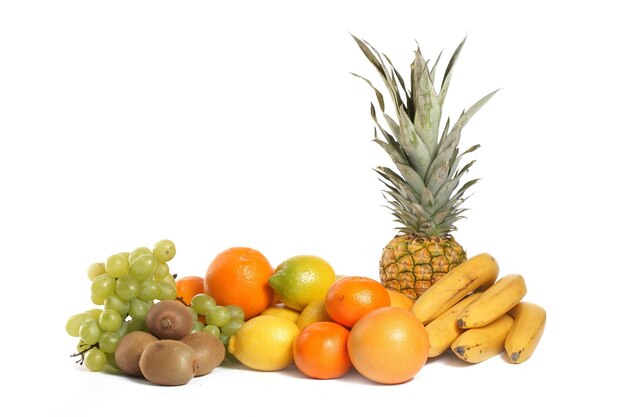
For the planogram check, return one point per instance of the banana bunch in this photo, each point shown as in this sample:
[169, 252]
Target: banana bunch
[478, 316]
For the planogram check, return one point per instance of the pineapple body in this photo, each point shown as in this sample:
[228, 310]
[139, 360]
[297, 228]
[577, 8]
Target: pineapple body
[410, 264]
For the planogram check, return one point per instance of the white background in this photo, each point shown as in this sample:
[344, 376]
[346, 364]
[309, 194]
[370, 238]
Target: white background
[219, 124]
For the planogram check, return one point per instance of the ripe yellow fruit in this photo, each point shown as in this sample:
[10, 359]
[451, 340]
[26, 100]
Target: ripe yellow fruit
[313, 313]
[281, 311]
[264, 343]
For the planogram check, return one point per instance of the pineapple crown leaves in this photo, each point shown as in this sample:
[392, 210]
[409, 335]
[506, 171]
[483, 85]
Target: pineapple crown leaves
[426, 196]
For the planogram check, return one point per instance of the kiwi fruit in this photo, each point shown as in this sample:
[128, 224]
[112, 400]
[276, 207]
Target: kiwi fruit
[169, 319]
[210, 351]
[129, 351]
[168, 362]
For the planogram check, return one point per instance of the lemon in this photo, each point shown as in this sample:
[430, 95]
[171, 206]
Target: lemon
[264, 343]
[314, 312]
[302, 279]
[281, 311]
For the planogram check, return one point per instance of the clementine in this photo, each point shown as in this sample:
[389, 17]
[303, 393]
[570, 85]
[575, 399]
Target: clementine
[388, 345]
[400, 300]
[321, 350]
[240, 276]
[350, 298]
[187, 287]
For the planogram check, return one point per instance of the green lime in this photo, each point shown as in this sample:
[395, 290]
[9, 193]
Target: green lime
[302, 279]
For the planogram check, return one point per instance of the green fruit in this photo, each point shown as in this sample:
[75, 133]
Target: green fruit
[302, 279]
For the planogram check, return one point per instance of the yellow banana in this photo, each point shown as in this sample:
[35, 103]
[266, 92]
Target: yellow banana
[479, 344]
[495, 301]
[530, 320]
[443, 330]
[475, 272]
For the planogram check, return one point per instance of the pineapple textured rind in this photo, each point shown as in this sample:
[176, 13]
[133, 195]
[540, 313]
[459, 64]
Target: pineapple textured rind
[410, 264]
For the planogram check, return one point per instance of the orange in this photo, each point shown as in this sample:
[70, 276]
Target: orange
[400, 300]
[189, 286]
[388, 345]
[350, 298]
[321, 350]
[240, 276]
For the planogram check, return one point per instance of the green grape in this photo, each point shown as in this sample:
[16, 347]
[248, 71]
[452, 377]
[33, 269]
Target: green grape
[168, 279]
[126, 256]
[103, 285]
[212, 329]
[95, 269]
[110, 320]
[167, 291]
[139, 308]
[74, 322]
[162, 270]
[113, 302]
[123, 330]
[164, 250]
[224, 338]
[95, 359]
[201, 303]
[198, 326]
[193, 314]
[111, 360]
[231, 327]
[97, 300]
[138, 252]
[135, 325]
[82, 346]
[127, 287]
[236, 312]
[143, 267]
[108, 342]
[217, 315]
[149, 290]
[117, 265]
[90, 331]
[94, 312]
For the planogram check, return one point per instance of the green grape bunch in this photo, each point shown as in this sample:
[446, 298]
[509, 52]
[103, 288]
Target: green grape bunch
[220, 321]
[125, 286]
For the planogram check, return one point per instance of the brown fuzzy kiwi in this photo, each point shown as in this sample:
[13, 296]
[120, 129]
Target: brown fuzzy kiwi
[169, 319]
[209, 349]
[168, 362]
[129, 351]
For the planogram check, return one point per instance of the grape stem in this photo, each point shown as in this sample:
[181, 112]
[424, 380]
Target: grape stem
[82, 353]
[183, 301]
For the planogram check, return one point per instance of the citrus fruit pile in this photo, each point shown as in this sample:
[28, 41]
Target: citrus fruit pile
[302, 313]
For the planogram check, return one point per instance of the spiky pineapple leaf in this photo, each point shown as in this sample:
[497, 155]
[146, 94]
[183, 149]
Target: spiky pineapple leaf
[400, 80]
[409, 177]
[444, 193]
[395, 129]
[437, 177]
[379, 95]
[375, 58]
[428, 112]
[433, 70]
[413, 145]
[443, 92]
[456, 159]
[452, 139]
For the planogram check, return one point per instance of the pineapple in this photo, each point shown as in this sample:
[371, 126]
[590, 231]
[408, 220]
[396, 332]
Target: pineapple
[425, 194]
